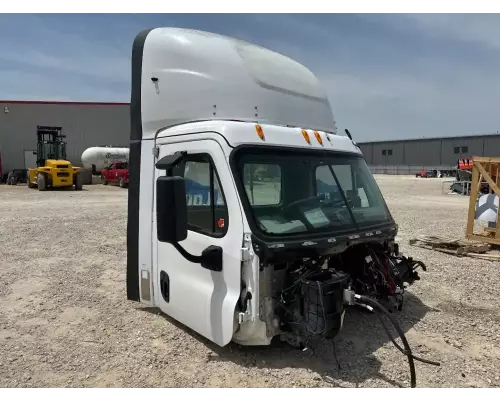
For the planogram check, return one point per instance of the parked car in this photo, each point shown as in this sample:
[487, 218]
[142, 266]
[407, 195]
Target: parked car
[431, 173]
[116, 172]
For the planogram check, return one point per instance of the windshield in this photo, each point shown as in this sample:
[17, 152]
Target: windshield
[297, 193]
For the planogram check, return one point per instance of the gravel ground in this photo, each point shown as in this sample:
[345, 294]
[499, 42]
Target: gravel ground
[65, 320]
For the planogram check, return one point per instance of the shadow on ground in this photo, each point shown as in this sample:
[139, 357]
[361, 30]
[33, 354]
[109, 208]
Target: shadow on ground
[361, 336]
[53, 189]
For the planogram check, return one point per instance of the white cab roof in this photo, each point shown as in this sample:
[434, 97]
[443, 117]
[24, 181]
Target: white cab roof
[189, 76]
[245, 133]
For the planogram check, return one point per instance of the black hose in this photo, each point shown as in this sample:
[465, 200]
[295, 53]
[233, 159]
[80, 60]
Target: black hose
[408, 353]
[400, 348]
[420, 264]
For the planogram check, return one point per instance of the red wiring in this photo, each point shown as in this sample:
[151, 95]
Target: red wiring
[390, 281]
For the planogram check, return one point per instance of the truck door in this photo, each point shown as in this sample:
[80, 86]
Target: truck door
[114, 172]
[201, 299]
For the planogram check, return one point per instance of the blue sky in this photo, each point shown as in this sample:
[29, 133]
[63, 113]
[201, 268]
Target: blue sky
[387, 76]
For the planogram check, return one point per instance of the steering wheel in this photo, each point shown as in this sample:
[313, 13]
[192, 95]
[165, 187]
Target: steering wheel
[312, 201]
[307, 201]
[316, 199]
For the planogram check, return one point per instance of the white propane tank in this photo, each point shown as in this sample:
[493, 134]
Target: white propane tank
[98, 158]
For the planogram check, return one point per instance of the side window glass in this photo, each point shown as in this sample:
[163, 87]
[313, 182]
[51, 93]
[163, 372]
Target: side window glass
[262, 184]
[197, 178]
[202, 185]
[221, 215]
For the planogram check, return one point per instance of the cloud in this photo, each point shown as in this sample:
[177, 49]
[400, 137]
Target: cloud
[397, 106]
[36, 85]
[111, 67]
[387, 75]
[55, 51]
[476, 29]
[410, 76]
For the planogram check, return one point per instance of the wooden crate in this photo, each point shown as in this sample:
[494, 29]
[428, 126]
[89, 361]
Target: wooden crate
[486, 168]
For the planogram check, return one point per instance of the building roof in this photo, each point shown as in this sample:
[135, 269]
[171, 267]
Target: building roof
[77, 103]
[479, 135]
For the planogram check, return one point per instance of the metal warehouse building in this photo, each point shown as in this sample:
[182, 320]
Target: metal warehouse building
[108, 124]
[84, 124]
[410, 156]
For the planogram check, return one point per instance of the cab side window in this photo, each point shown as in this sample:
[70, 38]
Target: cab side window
[207, 210]
[263, 184]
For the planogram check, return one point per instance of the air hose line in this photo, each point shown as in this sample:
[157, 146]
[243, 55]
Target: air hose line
[407, 350]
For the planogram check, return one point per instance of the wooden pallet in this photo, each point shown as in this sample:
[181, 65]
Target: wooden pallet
[456, 247]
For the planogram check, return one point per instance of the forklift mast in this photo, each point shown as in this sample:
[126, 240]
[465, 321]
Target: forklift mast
[50, 144]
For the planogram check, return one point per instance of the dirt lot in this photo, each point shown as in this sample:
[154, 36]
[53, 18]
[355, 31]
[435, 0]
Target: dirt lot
[65, 320]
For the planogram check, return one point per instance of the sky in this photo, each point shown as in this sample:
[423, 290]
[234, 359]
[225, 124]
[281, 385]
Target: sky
[387, 76]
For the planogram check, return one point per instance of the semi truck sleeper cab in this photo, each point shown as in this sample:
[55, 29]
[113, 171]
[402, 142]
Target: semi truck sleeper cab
[249, 217]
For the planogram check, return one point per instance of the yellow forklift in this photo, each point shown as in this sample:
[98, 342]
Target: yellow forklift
[53, 170]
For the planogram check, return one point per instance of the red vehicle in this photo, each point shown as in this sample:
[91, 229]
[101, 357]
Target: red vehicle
[117, 172]
[431, 173]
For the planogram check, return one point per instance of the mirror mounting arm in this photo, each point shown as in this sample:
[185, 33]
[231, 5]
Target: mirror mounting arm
[211, 257]
[350, 137]
[186, 255]
[170, 161]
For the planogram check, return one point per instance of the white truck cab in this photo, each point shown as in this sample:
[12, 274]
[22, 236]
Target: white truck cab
[248, 215]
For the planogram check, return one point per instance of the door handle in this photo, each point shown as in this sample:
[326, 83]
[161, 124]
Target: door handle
[165, 286]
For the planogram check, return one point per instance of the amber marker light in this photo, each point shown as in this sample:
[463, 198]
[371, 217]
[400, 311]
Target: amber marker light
[318, 137]
[306, 136]
[260, 131]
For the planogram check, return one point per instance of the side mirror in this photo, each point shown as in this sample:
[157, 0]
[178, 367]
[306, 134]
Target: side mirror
[211, 258]
[171, 209]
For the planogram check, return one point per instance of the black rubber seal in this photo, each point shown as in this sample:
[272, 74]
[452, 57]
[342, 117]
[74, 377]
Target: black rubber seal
[133, 292]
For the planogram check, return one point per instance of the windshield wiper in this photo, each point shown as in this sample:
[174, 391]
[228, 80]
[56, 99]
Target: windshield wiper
[343, 196]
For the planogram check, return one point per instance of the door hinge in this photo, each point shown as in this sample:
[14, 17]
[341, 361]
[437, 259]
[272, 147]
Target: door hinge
[245, 254]
[244, 317]
[246, 314]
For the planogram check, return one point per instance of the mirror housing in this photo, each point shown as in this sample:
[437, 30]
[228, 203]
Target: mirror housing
[211, 258]
[171, 209]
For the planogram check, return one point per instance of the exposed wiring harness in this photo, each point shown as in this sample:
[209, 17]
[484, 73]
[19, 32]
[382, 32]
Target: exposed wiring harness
[297, 319]
[371, 304]
[303, 308]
